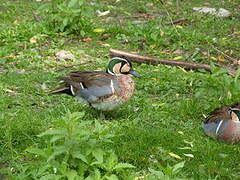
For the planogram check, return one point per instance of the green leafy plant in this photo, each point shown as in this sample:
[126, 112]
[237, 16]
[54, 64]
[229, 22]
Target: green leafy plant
[75, 150]
[219, 84]
[168, 172]
[71, 16]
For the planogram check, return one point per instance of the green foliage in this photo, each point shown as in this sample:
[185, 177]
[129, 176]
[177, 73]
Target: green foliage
[218, 84]
[166, 173]
[70, 16]
[74, 150]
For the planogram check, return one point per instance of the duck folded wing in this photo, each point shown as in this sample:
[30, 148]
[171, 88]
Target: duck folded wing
[222, 112]
[92, 86]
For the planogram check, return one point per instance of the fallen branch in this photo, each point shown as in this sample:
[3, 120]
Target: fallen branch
[135, 16]
[152, 60]
[176, 21]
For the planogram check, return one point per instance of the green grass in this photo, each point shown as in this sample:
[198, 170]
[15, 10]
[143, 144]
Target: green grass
[166, 112]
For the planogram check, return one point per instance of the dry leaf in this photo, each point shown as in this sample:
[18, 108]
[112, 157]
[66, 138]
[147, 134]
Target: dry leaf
[188, 142]
[206, 4]
[189, 155]
[104, 13]
[166, 52]
[213, 58]
[99, 30]
[139, 177]
[205, 53]
[86, 39]
[21, 71]
[33, 40]
[230, 52]
[204, 116]
[174, 155]
[169, 3]
[161, 33]
[106, 45]
[155, 79]
[9, 91]
[16, 22]
[178, 51]
[238, 62]
[184, 148]
[222, 155]
[64, 55]
[182, 69]
[149, 4]
[229, 95]
[153, 46]
[10, 57]
[43, 35]
[180, 132]
[177, 57]
[157, 104]
[220, 58]
[105, 36]
[178, 26]
[139, 22]
[44, 86]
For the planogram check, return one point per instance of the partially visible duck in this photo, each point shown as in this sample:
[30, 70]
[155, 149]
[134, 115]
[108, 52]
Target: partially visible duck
[223, 123]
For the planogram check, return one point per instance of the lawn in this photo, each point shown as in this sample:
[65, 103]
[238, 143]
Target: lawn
[157, 131]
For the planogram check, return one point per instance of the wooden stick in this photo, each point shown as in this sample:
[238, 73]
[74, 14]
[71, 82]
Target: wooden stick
[135, 16]
[176, 21]
[152, 60]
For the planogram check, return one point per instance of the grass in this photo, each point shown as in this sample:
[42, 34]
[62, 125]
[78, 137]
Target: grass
[166, 112]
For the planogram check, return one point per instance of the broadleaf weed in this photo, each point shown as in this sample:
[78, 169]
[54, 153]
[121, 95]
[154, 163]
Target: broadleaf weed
[74, 150]
[68, 16]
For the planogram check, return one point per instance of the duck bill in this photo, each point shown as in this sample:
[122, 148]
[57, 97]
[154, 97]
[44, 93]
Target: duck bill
[132, 72]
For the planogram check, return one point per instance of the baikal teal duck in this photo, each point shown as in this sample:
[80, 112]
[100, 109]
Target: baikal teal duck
[104, 91]
[223, 124]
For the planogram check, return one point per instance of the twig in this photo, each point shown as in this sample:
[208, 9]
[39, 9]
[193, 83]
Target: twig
[72, 65]
[176, 21]
[152, 60]
[135, 16]
[223, 53]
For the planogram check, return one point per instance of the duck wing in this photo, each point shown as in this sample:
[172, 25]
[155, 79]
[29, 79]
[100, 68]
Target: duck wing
[89, 85]
[219, 113]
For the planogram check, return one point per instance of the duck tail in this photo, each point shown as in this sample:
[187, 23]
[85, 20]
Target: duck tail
[60, 90]
[64, 89]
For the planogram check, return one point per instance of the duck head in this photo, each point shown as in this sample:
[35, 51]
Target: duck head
[120, 66]
[235, 114]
